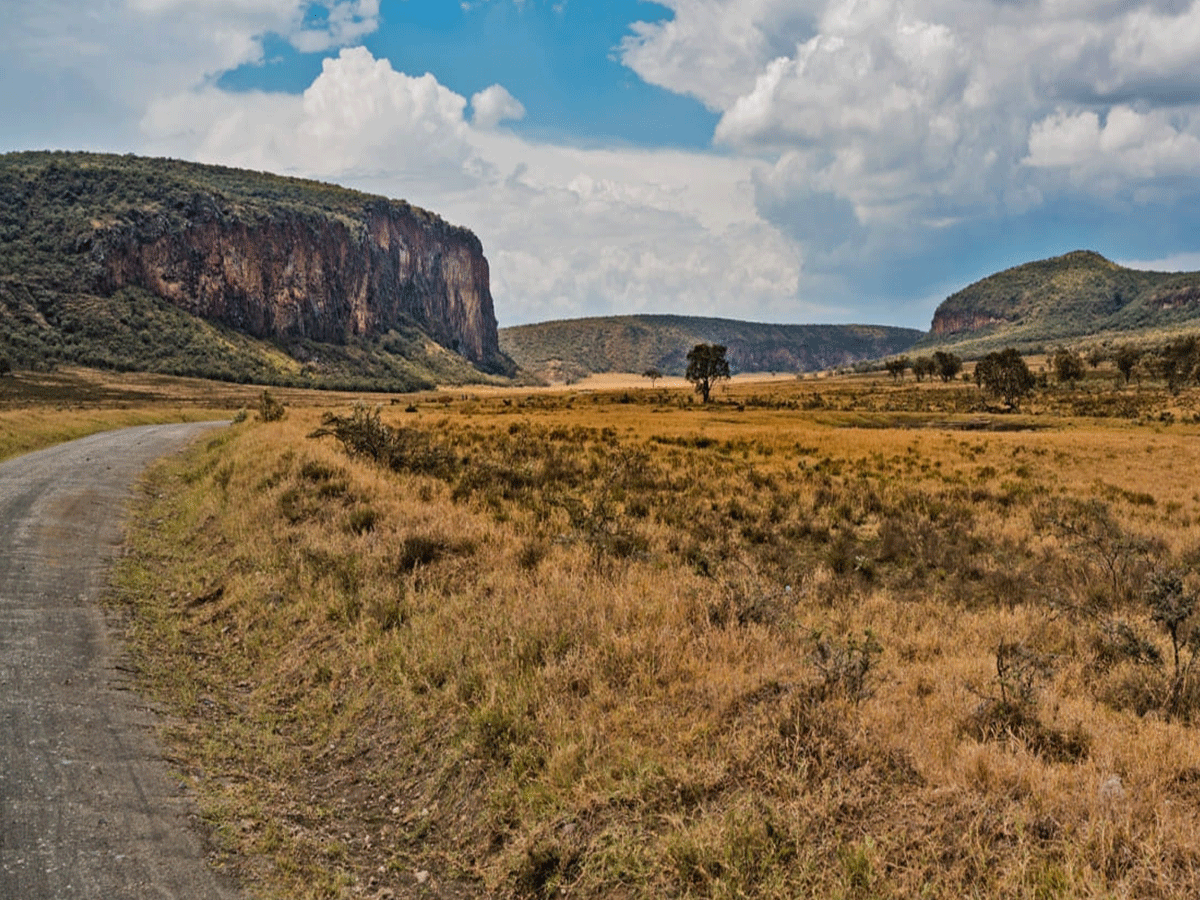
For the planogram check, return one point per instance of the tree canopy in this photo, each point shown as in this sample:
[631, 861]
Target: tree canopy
[1004, 374]
[1068, 366]
[948, 365]
[706, 364]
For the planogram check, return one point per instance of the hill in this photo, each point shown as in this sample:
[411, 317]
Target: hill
[1065, 299]
[571, 348]
[158, 265]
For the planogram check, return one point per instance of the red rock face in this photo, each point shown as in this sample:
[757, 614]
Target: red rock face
[289, 275]
[956, 323]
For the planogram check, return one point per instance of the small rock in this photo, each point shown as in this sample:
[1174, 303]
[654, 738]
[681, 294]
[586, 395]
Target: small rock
[422, 876]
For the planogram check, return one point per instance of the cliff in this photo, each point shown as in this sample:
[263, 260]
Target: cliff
[294, 263]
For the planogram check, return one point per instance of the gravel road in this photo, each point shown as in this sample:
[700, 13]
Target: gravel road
[87, 807]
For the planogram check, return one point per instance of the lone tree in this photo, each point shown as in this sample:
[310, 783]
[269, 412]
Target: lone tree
[653, 373]
[706, 364]
[1004, 374]
[948, 364]
[1127, 359]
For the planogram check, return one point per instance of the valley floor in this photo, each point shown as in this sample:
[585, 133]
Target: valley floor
[838, 637]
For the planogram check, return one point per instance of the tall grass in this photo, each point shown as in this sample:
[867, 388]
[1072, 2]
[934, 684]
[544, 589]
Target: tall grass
[644, 649]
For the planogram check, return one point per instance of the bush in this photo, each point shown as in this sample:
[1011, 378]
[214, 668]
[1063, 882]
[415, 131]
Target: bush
[270, 409]
[846, 667]
[1173, 606]
[399, 449]
[948, 365]
[1010, 712]
[1068, 366]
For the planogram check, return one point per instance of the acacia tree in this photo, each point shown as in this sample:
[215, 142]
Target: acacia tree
[1127, 358]
[706, 364]
[1004, 374]
[948, 364]
[896, 366]
[653, 373]
[924, 366]
[1068, 366]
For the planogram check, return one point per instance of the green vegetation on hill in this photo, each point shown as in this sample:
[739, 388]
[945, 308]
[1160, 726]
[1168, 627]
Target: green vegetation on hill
[52, 310]
[1078, 296]
[572, 348]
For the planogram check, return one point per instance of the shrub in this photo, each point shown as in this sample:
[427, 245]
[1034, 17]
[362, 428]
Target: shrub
[270, 409]
[1068, 366]
[400, 449]
[1121, 557]
[1010, 710]
[1005, 375]
[948, 365]
[1173, 606]
[924, 366]
[846, 666]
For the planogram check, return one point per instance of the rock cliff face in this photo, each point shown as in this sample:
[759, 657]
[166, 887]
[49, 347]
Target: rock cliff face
[947, 322]
[294, 273]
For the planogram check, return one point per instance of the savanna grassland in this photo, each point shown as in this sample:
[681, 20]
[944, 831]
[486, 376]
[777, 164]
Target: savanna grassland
[823, 638]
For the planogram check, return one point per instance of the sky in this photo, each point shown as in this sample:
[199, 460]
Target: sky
[787, 161]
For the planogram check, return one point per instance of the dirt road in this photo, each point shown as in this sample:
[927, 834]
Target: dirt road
[87, 808]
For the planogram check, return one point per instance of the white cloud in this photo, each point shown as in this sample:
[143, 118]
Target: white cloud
[494, 105]
[1179, 262]
[359, 114]
[1127, 145]
[568, 231]
[921, 114]
[853, 135]
[133, 51]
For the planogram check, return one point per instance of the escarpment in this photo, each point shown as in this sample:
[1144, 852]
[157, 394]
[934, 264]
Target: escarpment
[284, 274]
[160, 265]
[946, 322]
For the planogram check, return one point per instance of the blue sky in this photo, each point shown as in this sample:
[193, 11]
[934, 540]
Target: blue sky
[773, 160]
[559, 61]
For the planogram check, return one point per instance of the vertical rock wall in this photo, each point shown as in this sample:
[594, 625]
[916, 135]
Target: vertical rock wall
[288, 274]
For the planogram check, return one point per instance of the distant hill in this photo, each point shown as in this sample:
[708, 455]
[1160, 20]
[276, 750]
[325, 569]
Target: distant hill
[158, 265]
[1068, 298]
[572, 348]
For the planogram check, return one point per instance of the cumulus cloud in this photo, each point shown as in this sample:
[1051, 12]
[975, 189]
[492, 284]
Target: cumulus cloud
[1126, 144]
[494, 105]
[130, 52]
[877, 121]
[358, 115]
[859, 142]
[568, 231]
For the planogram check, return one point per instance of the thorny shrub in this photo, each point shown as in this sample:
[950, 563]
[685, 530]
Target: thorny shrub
[400, 449]
[1009, 711]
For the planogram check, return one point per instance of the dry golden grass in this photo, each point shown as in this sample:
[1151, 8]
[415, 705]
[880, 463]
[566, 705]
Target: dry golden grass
[619, 645]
